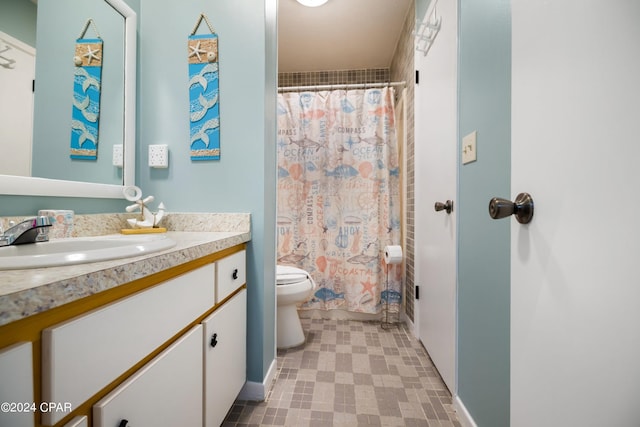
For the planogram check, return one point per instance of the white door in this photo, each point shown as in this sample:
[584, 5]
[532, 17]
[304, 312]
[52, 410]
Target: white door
[436, 181]
[17, 71]
[575, 292]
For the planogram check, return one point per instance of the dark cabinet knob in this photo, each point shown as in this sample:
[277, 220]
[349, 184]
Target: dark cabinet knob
[522, 208]
[446, 206]
[214, 340]
[234, 275]
[123, 423]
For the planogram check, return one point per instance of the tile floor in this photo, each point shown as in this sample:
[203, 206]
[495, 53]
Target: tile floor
[351, 373]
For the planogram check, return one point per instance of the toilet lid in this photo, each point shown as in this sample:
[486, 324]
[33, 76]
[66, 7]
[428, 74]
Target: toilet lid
[286, 275]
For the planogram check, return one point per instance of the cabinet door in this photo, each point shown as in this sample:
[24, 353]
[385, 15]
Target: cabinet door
[16, 385]
[225, 355]
[78, 422]
[167, 392]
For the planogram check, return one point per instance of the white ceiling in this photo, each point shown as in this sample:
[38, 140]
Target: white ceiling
[340, 35]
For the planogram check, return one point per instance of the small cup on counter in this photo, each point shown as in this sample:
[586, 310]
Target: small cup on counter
[61, 222]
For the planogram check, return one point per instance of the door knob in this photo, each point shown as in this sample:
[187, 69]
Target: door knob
[446, 206]
[522, 208]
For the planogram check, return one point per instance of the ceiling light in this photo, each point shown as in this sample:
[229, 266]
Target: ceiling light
[312, 3]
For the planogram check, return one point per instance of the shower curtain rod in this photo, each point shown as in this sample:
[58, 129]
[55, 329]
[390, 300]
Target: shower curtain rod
[340, 86]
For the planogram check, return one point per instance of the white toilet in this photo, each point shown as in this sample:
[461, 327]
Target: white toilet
[293, 286]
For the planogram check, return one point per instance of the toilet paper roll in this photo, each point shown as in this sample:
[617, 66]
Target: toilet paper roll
[393, 254]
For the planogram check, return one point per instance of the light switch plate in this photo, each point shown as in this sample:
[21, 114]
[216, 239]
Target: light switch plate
[159, 156]
[469, 152]
[118, 155]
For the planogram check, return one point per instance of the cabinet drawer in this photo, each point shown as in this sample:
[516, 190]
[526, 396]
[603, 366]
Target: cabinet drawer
[167, 392]
[16, 384]
[230, 275]
[85, 354]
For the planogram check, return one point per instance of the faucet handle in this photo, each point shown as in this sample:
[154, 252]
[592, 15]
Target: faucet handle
[42, 221]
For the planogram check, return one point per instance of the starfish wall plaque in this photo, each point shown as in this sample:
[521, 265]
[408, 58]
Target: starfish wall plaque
[204, 109]
[87, 87]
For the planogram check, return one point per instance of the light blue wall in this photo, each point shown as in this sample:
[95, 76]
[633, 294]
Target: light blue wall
[18, 19]
[60, 23]
[483, 257]
[243, 180]
[30, 205]
[421, 8]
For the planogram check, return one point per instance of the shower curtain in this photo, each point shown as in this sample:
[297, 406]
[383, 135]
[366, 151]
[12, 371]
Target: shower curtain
[339, 196]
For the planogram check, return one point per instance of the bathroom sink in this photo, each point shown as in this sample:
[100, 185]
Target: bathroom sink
[80, 250]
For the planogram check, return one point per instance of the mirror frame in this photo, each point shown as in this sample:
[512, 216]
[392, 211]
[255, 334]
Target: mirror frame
[33, 186]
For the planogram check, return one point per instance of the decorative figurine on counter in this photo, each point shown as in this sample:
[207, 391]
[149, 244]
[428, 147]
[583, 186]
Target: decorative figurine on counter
[148, 221]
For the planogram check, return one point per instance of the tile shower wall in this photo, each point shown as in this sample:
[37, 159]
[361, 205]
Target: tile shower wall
[312, 78]
[402, 69]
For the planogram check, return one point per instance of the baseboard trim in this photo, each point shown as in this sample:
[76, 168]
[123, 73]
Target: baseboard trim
[410, 325]
[463, 415]
[258, 391]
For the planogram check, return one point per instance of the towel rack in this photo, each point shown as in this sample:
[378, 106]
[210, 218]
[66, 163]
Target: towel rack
[427, 29]
[5, 61]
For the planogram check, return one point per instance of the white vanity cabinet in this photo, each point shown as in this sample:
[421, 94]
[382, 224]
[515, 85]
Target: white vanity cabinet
[225, 353]
[167, 392]
[16, 386]
[85, 354]
[165, 349]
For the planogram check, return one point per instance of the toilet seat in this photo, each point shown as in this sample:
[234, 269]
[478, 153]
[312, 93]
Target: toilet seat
[286, 275]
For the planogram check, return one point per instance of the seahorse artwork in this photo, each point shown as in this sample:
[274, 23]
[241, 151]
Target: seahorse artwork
[86, 95]
[204, 108]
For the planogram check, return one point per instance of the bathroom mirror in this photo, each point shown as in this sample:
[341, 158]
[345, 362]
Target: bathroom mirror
[123, 53]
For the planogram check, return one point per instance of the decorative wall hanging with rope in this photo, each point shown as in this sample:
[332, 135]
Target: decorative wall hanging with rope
[204, 107]
[86, 95]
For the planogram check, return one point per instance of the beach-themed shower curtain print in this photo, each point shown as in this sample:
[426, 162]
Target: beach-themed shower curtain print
[339, 195]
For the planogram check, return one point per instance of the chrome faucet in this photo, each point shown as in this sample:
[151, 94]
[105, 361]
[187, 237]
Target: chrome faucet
[30, 230]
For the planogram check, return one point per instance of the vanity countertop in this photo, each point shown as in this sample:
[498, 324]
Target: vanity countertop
[27, 292]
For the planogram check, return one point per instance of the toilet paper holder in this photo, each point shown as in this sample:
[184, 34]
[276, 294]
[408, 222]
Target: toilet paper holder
[392, 256]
